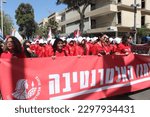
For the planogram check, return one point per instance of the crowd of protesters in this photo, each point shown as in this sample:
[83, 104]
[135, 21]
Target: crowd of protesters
[102, 45]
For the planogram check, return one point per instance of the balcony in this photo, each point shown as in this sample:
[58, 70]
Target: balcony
[145, 12]
[94, 13]
[102, 11]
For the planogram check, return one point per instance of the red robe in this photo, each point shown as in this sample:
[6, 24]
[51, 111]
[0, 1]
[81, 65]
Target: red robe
[10, 55]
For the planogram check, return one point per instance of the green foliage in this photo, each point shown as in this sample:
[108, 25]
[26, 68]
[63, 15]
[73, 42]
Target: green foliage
[7, 24]
[143, 31]
[44, 30]
[75, 4]
[53, 24]
[25, 19]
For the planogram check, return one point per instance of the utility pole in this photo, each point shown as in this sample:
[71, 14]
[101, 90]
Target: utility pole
[2, 16]
[135, 12]
[135, 5]
[2, 22]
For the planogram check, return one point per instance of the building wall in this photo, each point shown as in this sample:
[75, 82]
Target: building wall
[74, 26]
[147, 4]
[105, 14]
[106, 20]
[128, 19]
[73, 13]
[147, 21]
[100, 3]
[129, 2]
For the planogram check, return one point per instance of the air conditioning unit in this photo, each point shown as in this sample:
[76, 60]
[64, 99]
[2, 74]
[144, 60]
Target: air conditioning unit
[112, 28]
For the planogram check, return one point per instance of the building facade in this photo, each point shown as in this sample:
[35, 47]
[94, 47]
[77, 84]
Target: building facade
[55, 16]
[108, 16]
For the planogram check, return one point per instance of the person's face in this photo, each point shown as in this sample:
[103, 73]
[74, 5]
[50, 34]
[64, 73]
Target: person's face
[10, 44]
[83, 42]
[64, 44]
[107, 41]
[71, 43]
[129, 40]
[28, 44]
[60, 45]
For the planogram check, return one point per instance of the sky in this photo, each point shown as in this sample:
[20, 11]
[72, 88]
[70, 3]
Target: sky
[42, 8]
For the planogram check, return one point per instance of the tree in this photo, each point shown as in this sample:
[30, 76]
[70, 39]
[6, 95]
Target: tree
[7, 24]
[142, 32]
[25, 19]
[44, 30]
[76, 5]
[53, 25]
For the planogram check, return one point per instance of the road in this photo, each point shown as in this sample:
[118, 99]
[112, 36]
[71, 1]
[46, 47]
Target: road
[139, 95]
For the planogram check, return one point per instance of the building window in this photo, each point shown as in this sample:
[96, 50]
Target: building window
[119, 1]
[63, 29]
[93, 23]
[119, 17]
[143, 20]
[63, 18]
[93, 6]
[143, 4]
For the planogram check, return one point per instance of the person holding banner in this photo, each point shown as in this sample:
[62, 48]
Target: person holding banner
[28, 52]
[72, 48]
[124, 48]
[66, 47]
[99, 48]
[58, 48]
[12, 48]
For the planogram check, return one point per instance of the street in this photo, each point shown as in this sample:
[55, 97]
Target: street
[138, 95]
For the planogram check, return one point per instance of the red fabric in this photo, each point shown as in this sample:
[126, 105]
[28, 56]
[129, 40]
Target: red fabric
[79, 50]
[88, 77]
[35, 48]
[48, 51]
[122, 48]
[41, 51]
[114, 48]
[97, 48]
[10, 55]
[66, 49]
[90, 47]
[72, 50]
[60, 54]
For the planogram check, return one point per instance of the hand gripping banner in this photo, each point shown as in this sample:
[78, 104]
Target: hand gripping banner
[88, 77]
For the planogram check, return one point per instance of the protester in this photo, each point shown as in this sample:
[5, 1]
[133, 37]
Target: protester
[12, 48]
[28, 52]
[1, 46]
[82, 48]
[58, 48]
[66, 47]
[72, 48]
[99, 47]
[48, 50]
[124, 48]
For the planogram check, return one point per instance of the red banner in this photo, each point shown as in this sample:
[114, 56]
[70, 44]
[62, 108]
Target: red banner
[141, 48]
[88, 77]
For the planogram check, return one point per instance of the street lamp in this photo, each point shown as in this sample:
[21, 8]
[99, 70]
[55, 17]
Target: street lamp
[1, 5]
[135, 5]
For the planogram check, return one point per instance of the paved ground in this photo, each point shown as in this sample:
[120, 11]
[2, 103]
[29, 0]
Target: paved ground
[139, 95]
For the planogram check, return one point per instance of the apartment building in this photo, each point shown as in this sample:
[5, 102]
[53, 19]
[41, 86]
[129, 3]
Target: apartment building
[108, 16]
[55, 16]
[114, 17]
